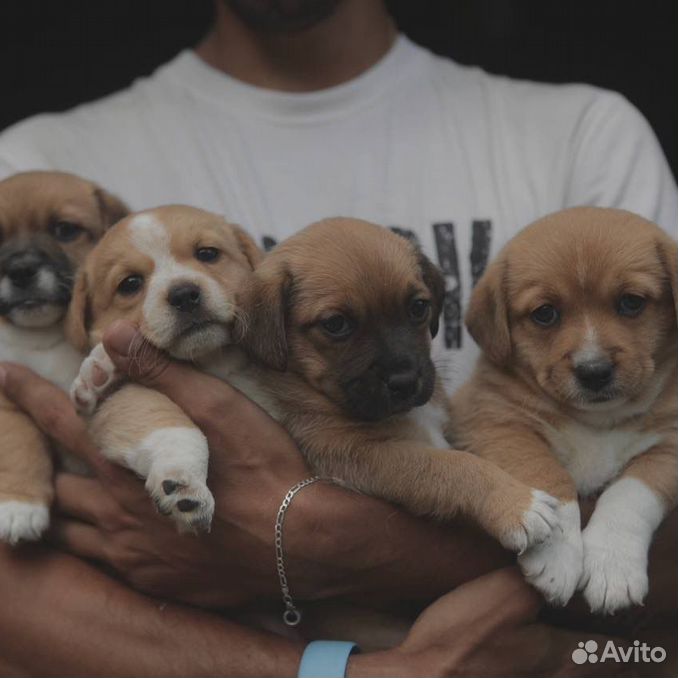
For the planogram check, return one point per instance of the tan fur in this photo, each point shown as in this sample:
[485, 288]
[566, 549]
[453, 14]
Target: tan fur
[25, 461]
[29, 203]
[350, 264]
[130, 415]
[334, 265]
[580, 260]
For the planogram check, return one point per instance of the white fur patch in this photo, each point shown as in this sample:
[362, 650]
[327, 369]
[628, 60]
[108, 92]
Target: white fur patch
[554, 567]
[45, 351]
[47, 281]
[616, 542]
[177, 455]
[590, 350]
[594, 456]
[430, 419]
[22, 521]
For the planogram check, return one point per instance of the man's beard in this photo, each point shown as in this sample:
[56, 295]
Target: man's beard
[280, 16]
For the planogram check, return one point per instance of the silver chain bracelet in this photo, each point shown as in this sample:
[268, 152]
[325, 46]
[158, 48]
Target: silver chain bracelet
[291, 615]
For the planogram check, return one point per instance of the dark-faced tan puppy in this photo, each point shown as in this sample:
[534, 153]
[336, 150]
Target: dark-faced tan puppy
[347, 309]
[576, 392]
[48, 223]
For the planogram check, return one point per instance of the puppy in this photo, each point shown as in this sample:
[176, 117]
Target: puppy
[175, 272]
[342, 315]
[48, 223]
[576, 391]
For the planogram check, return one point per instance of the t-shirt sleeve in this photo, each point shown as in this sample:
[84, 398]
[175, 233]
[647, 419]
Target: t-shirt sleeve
[23, 146]
[6, 168]
[618, 162]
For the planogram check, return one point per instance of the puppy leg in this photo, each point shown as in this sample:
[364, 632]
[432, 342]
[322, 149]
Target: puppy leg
[554, 566]
[26, 488]
[619, 533]
[442, 483]
[146, 432]
[97, 375]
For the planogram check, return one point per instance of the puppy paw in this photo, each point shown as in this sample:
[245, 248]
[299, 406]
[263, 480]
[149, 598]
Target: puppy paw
[535, 525]
[615, 576]
[22, 521]
[174, 461]
[184, 498]
[555, 566]
[97, 374]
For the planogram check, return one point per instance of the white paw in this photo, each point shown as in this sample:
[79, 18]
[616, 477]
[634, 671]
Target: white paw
[536, 524]
[186, 499]
[174, 461]
[22, 521]
[96, 367]
[613, 578]
[554, 567]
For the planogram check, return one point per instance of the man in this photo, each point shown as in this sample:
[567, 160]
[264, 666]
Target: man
[288, 112]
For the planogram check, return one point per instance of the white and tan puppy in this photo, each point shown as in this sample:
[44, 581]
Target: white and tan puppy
[48, 223]
[342, 316]
[576, 392]
[174, 271]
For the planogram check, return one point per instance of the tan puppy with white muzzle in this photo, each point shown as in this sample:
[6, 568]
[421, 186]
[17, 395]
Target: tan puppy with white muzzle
[49, 221]
[174, 271]
[576, 392]
[342, 316]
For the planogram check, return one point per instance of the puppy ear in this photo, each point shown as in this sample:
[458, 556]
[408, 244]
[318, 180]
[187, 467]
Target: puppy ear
[265, 306]
[248, 247]
[667, 250]
[435, 281]
[76, 325]
[111, 207]
[487, 315]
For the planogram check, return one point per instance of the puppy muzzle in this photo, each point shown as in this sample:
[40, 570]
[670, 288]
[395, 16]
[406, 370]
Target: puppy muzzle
[375, 396]
[31, 279]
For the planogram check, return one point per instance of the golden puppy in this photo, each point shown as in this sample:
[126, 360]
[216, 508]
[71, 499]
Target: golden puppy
[576, 392]
[174, 271]
[48, 223]
[347, 309]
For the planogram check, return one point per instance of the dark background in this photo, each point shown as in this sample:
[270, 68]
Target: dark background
[56, 53]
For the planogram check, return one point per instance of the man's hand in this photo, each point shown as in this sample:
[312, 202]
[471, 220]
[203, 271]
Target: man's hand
[486, 627]
[330, 546]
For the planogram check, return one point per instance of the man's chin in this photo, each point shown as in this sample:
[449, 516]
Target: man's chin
[282, 16]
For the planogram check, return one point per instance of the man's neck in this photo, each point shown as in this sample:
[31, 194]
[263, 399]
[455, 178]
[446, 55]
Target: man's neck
[332, 52]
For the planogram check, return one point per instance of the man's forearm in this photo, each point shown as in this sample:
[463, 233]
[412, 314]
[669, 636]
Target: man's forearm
[374, 551]
[62, 617]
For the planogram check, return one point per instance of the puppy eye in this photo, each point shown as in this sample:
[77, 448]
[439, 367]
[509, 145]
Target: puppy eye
[419, 309]
[630, 305]
[207, 254]
[337, 326]
[65, 231]
[545, 315]
[130, 285]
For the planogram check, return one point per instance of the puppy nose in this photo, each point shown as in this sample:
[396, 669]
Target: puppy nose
[22, 270]
[184, 297]
[402, 385]
[595, 374]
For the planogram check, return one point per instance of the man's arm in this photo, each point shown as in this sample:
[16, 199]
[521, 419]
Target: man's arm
[62, 617]
[337, 542]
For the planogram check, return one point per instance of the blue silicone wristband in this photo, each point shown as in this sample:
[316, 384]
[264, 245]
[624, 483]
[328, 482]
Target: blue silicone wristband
[325, 659]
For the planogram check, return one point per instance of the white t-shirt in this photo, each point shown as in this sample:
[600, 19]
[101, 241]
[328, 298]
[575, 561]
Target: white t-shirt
[459, 158]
